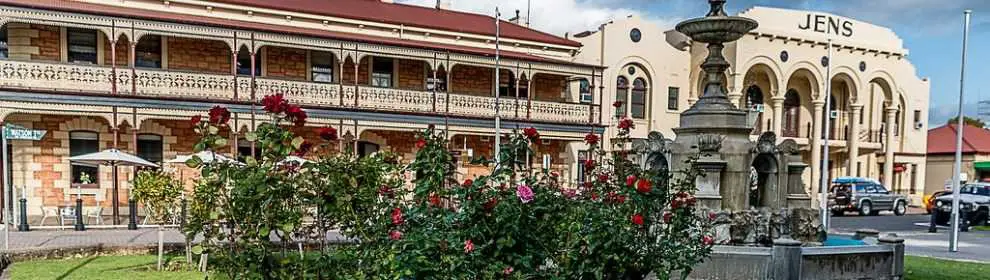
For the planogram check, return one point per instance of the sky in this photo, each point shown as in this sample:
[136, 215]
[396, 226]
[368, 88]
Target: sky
[932, 31]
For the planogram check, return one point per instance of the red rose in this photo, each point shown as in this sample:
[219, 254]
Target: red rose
[490, 204]
[626, 124]
[589, 165]
[712, 216]
[620, 199]
[588, 185]
[296, 115]
[707, 240]
[468, 246]
[531, 134]
[637, 219]
[667, 216]
[395, 235]
[397, 216]
[274, 103]
[386, 191]
[591, 139]
[594, 196]
[327, 133]
[603, 178]
[467, 183]
[420, 143]
[690, 200]
[630, 180]
[196, 120]
[434, 200]
[676, 203]
[617, 104]
[644, 186]
[219, 115]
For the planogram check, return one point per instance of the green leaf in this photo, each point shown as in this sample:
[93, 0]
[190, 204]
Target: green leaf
[287, 228]
[251, 136]
[194, 162]
[297, 142]
[220, 142]
[199, 147]
[213, 130]
[198, 249]
[251, 161]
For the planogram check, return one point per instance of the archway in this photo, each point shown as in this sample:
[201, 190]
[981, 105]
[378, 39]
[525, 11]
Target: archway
[792, 114]
[805, 84]
[755, 103]
[763, 180]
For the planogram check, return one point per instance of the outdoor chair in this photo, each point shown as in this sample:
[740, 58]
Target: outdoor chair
[95, 213]
[67, 213]
[47, 212]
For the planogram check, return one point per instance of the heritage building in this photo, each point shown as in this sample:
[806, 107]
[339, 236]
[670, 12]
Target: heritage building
[779, 71]
[98, 74]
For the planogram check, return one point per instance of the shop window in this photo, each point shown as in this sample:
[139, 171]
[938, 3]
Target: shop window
[322, 67]
[150, 147]
[81, 143]
[82, 47]
[382, 70]
[621, 92]
[4, 53]
[637, 105]
[673, 97]
[148, 52]
[584, 89]
[244, 62]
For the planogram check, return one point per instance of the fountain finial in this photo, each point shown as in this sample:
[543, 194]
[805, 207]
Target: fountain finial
[718, 8]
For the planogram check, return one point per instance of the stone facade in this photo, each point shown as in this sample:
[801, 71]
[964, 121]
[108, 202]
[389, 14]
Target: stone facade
[471, 80]
[285, 63]
[198, 55]
[549, 88]
[34, 41]
[412, 74]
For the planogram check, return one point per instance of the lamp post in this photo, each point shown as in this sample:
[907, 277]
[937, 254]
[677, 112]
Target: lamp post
[957, 167]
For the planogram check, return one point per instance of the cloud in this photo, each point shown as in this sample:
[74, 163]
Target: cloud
[554, 16]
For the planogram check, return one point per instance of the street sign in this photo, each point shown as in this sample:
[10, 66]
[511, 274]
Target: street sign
[12, 132]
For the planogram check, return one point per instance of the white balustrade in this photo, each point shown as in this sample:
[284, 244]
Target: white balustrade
[560, 112]
[307, 93]
[395, 99]
[55, 76]
[185, 85]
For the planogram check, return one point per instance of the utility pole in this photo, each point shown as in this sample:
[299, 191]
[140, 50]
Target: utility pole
[957, 168]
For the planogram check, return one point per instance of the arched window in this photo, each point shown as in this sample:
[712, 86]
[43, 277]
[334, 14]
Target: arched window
[792, 113]
[621, 91]
[244, 62]
[638, 96]
[150, 147]
[81, 143]
[754, 102]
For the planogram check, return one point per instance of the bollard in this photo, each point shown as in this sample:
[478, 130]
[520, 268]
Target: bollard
[24, 223]
[932, 228]
[786, 257]
[79, 215]
[897, 266]
[132, 214]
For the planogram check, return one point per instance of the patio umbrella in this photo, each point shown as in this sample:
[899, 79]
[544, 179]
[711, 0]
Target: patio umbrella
[113, 158]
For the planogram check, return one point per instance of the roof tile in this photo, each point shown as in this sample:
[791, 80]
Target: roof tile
[942, 140]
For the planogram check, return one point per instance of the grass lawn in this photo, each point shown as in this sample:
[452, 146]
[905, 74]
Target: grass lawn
[917, 268]
[981, 228]
[101, 267]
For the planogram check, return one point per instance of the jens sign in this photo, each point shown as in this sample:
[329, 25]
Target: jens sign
[827, 24]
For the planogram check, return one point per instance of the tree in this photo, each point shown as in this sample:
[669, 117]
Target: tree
[159, 193]
[968, 121]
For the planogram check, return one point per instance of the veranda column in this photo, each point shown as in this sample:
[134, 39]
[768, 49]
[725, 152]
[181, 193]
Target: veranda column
[888, 146]
[816, 148]
[778, 115]
[854, 115]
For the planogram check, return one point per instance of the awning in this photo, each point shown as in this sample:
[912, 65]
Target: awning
[982, 165]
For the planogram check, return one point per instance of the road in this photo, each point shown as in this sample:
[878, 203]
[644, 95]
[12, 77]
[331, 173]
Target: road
[973, 246]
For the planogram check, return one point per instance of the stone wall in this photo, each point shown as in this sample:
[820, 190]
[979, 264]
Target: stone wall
[198, 55]
[286, 63]
[760, 227]
[549, 88]
[412, 74]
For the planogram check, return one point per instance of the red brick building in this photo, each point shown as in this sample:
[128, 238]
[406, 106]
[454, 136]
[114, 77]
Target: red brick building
[129, 74]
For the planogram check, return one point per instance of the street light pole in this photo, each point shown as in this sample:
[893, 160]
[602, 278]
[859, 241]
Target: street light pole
[824, 183]
[957, 167]
[498, 93]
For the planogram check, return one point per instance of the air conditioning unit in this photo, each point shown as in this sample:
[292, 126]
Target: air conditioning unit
[919, 125]
[833, 114]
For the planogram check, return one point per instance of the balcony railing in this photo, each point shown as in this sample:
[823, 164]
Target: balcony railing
[95, 79]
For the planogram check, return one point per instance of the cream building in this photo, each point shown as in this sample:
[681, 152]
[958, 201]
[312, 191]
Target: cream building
[878, 106]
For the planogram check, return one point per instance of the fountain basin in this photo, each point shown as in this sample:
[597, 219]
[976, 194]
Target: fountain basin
[716, 29]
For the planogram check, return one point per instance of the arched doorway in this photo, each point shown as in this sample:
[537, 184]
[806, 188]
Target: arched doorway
[754, 102]
[763, 180]
[792, 114]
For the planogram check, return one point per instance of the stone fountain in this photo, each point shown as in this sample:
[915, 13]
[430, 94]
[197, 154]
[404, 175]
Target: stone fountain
[718, 133]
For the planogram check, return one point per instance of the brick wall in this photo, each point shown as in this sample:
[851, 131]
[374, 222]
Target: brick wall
[472, 80]
[548, 87]
[34, 42]
[198, 55]
[123, 48]
[364, 76]
[412, 74]
[286, 63]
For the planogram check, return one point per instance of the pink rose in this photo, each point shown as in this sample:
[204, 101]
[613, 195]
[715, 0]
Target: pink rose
[524, 193]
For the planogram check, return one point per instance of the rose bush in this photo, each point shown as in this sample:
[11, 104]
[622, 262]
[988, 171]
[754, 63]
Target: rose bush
[621, 222]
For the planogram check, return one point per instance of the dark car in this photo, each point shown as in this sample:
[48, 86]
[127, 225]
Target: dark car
[863, 195]
[974, 201]
[929, 200]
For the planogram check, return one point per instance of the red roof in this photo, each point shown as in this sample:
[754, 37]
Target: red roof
[75, 6]
[942, 140]
[394, 13]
